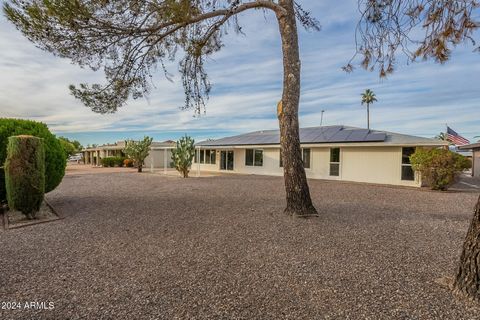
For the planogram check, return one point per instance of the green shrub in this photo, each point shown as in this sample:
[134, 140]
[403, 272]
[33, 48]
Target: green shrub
[3, 191]
[118, 161]
[438, 167]
[182, 155]
[55, 159]
[108, 162]
[25, 174]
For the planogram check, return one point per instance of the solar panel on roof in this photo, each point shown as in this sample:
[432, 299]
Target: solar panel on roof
[332, 134]
[357, 135]
[376, 136]
[340, 136]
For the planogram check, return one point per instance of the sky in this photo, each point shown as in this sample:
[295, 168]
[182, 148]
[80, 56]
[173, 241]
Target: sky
[418, 99]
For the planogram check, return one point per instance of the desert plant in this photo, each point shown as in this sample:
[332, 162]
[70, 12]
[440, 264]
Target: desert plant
[438, 167]
[128, 163]
[108, 161]
[55, 159]
[138, 151]
[182, 155]
[25, 174]
[118, 161]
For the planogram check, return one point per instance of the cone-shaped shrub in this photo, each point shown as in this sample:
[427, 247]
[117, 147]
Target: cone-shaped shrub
[55, 159]
[25, 174]
[3, 192]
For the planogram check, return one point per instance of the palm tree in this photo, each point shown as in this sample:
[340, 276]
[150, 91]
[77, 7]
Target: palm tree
[368, 97]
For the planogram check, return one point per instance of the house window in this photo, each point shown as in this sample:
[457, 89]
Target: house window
[335, 162]
[206, 156]
[305, 157]
[407, 171]
[254, 157]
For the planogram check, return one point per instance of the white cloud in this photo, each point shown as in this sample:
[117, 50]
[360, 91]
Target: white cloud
[247, 79]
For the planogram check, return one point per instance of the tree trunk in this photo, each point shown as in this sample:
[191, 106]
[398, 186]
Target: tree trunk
[368, 116]
[139, 168]
[467, 281]
[297, 192]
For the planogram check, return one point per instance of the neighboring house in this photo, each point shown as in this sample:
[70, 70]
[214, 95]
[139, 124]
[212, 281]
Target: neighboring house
[475, 148]
[159, 156]
[333, 152]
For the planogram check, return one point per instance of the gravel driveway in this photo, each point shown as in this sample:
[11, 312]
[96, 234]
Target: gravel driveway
[145, 246]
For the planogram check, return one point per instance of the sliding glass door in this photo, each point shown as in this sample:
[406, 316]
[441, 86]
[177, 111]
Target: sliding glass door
[226, 160]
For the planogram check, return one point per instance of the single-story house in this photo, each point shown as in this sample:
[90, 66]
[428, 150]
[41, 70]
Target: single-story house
[329, 152]
[475, 148]
[159, 156]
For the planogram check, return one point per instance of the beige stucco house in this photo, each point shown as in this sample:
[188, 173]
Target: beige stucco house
[159, 156]
[475, 147]
[333, 152]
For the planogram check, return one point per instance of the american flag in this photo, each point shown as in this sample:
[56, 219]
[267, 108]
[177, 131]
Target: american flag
[456, 138]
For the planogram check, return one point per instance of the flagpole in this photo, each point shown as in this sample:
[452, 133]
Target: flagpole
[445, 137]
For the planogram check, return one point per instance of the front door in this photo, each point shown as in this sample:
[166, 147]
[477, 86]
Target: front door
[226, 160]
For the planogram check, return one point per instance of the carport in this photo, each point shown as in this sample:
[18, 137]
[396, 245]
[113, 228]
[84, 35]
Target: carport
[475, 147]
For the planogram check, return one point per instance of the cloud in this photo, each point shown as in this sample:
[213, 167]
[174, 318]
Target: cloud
[247, 84]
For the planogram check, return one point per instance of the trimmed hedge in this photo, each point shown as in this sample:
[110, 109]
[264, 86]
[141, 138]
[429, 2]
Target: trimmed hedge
[3, 190]
[107, 162]
[25, 174]
[55, 160]
[112, 161]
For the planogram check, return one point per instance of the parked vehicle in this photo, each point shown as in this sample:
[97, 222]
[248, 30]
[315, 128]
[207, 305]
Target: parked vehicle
[75, 158]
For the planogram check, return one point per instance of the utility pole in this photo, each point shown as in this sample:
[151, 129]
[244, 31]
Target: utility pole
[321, 118]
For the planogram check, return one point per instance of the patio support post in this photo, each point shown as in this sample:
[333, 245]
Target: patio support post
[165, 150]
[198, 161]
[151, 163]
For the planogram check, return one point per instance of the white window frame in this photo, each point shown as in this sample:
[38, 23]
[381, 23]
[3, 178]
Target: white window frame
[198, 159]
[406, 165]
[253, 160]
[339, 163]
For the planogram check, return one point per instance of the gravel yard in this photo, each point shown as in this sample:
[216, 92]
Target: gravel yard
[147, 246]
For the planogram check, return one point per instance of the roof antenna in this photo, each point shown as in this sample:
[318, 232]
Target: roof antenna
[321, 118]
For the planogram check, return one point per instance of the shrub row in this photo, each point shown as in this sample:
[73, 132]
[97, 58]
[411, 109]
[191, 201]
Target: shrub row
[113, 161]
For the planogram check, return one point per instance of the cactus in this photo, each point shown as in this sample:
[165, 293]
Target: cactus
[182, 155]
[25, 174]
[138, 151]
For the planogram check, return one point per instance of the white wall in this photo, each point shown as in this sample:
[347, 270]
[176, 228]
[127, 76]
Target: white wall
[374, 164]
[271, 162]
[157, 157]
[476, 163]
[380, 165]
